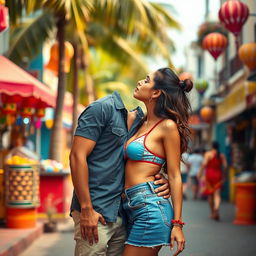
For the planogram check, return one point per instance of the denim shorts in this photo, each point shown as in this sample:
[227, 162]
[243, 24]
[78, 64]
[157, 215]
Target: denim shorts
[148, 216]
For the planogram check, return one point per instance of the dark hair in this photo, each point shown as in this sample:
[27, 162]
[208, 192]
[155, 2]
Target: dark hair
[215, 145]
[173, 102]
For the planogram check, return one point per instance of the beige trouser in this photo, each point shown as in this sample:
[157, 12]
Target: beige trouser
[111, 239]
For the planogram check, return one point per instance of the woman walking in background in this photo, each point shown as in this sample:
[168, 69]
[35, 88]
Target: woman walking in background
[159, 142]
[212, 165]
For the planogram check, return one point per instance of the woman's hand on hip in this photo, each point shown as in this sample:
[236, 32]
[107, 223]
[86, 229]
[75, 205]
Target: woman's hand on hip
[178, 236]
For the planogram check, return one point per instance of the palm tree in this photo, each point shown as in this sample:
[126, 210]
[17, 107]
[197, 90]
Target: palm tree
[126, 18]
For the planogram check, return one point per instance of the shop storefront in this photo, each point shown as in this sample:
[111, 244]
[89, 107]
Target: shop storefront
[236, 130]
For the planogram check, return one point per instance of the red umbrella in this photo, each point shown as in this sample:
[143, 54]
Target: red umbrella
[233, 14]
[215, 43]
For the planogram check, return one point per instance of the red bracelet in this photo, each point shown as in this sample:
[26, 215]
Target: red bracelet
[178, 222]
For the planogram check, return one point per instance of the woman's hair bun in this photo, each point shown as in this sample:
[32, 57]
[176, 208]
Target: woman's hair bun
[186, 85]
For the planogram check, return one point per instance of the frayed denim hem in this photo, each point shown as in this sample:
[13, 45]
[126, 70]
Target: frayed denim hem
[150, 246]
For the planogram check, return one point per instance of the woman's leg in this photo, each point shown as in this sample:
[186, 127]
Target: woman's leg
[140, 251]
[216, 203]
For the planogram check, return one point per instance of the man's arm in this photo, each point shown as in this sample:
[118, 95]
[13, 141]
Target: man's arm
[89, 218]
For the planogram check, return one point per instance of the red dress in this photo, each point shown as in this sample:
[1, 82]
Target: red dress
[213, 175]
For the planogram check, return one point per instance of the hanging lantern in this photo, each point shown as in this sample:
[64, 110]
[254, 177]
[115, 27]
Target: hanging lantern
[185, 75]
[54, 58]
[9, 108]
[26, 112]
[201, 86]
[10, 103]
[3, 17]
[207, 113]
[233, 14]
[38, 123]
[215, 43]
[247, 54]
[40, 112]
[49, 123]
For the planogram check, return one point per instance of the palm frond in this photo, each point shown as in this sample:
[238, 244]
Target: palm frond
[28, 38]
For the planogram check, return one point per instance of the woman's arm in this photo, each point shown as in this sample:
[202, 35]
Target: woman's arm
[203, 166]
[171, 141]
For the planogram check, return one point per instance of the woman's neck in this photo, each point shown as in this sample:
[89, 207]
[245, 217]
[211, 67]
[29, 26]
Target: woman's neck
[151, 117]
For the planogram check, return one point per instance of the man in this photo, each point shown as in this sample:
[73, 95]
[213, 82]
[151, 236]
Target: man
[195, 161]
[97, 168]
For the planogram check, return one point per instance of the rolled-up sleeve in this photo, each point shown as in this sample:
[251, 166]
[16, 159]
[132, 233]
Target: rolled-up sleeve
[92, 122]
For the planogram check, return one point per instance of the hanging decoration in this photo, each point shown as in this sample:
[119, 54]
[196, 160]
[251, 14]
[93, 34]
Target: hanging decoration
[201, 86]
[215, 43]
[247, 54]
[3, 16]
[38, 123]
[207, 113]
[54, 58]
[49, 123]
[9, 108]
[233, 14]
[40, 112]
[26, 112]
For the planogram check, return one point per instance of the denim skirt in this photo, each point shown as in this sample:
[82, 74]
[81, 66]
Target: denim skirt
[148, 216]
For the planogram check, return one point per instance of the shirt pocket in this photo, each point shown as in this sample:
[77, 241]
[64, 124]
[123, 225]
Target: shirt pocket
[118, 134]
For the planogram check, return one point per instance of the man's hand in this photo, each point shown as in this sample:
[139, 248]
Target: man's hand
[164, 190]
[89, 224]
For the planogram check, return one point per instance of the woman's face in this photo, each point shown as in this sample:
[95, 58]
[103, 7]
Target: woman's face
[144, 89]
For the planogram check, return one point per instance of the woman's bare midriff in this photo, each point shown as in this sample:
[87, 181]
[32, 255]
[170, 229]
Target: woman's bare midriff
[139, 172]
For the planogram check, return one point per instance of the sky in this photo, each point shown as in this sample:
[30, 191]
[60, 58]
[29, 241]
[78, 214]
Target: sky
[190, 14]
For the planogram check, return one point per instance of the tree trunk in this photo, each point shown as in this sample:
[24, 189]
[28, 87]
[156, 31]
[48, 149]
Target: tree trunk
[75, 89]
[56, 136]
[88, 81]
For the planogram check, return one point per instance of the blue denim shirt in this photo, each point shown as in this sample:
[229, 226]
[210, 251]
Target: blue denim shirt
[105, 122]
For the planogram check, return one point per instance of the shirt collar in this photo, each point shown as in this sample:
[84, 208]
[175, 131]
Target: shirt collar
[118, 100]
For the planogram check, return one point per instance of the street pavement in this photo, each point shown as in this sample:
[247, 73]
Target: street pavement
[204, 237]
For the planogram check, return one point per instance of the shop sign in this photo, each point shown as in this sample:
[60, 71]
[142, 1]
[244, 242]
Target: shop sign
[251, 93]
[234, 103]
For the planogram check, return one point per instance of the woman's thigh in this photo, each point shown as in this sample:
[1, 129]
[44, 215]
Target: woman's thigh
[140, 251]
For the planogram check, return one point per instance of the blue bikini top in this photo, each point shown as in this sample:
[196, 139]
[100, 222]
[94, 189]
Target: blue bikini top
[138, 151]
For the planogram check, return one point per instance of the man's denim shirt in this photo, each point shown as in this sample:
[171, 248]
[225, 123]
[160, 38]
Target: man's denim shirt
[105, 122]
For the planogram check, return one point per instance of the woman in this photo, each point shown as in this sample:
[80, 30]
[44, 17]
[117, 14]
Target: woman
[159, 142]
[212, 165]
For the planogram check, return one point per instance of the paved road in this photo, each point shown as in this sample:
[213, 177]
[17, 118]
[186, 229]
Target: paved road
[204, 236]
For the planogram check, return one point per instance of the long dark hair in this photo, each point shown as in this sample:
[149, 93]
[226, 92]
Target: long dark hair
[215, 145]
[173, 102]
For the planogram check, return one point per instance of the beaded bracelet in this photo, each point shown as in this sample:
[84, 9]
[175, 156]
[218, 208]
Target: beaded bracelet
[178, 223]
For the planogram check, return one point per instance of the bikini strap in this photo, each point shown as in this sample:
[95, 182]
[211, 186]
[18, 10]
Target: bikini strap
[154, 126]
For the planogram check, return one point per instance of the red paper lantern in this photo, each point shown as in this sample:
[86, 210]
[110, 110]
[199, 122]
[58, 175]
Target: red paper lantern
[215, 43]
[247, 54]
[3, 17]
[10, 103]
[233, 14]
[9, 108]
